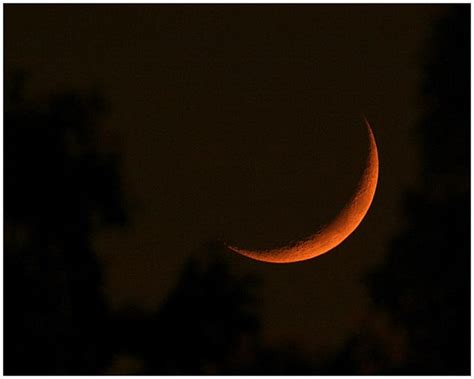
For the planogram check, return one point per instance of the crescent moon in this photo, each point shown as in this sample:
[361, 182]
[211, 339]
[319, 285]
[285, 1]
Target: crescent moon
[336, 231]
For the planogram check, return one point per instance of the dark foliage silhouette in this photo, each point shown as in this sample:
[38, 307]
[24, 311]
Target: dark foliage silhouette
[209, 324]
[59, 190]
[205, 321]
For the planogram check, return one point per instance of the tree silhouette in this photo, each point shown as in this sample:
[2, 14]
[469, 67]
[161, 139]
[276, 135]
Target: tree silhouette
[59, 190]
[209, 324]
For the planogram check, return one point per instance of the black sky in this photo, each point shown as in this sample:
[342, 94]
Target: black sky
[244, 123]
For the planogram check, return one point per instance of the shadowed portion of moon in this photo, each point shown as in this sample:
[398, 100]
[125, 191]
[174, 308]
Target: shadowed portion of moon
[336, 231]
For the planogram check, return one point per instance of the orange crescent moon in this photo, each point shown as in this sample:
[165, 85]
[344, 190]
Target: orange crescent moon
[338, 229]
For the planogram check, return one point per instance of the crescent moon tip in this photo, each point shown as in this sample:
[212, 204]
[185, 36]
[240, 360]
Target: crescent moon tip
[369, 129]
[366, 121]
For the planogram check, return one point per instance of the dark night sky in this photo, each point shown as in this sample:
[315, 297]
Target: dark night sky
[243, 123]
